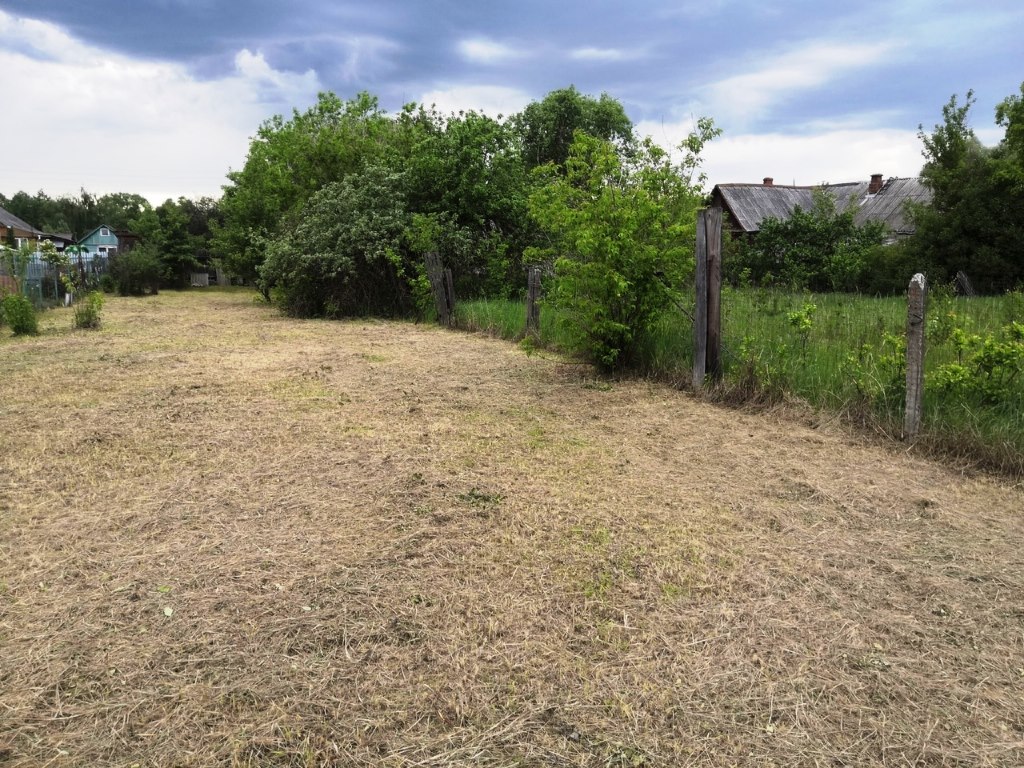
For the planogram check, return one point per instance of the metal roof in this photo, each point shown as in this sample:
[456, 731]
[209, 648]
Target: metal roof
[8, 219]
[750, 204]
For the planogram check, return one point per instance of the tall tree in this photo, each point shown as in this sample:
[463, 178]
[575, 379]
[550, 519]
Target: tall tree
[547, 127]
[975, 221]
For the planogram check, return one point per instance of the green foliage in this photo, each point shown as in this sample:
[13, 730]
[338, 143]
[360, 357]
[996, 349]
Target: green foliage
[548, 127]
[344, 256]
[621, 228]
[136, 272]
[20, 314]
[822, 249]
[87, 312]
[987, 367]
[802, 321]
[16, 261]
[975, 219]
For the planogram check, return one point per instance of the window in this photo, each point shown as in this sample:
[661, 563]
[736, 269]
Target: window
[104, 232]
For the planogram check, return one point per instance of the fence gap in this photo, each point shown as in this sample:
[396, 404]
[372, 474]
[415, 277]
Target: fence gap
[533, 301]
[707, 324]
[917, 299]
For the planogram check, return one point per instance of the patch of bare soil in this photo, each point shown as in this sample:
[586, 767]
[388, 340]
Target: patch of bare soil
[230, 538]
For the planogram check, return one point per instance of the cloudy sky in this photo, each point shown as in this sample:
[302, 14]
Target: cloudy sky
[160, 97]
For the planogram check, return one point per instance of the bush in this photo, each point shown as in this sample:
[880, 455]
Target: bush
[87, 312]
[136, 272]
[621, 224]
[20, 314]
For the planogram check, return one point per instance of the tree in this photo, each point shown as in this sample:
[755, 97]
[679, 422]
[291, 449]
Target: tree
[289, 161]
[166, 230]
[821, 249]
[975, 220]
[344, 257]
[621, 224]
[547, 127]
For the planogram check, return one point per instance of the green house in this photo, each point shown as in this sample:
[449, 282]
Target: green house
[100, 242]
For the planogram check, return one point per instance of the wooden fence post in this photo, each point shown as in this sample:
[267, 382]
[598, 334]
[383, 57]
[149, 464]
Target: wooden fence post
[533, 301]
[713, 225]
[707, 323]
[441, 286]
[917, 299]
[700, 318]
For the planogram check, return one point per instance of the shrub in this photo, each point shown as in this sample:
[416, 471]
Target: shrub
[136, 272]
[87, 312]
[621, 224]
[20, 314]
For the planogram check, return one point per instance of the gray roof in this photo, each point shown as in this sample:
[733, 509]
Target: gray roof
[750, 204]
[8, 219]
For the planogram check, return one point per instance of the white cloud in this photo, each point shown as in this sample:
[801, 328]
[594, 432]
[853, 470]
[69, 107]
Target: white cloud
[491, 100]
[838, 155]
[110, 123]
[600, 54]
[743, 97]
[482, 50]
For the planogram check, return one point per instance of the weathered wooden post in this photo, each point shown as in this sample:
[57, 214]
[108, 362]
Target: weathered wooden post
[440, 286]
[707, 324]
[917, 299]
[700, 317]
[533, 301]
[713, 224]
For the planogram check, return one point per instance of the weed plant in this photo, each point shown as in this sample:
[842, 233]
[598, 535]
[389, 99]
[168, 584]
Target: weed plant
[87, 312]
[20, 315]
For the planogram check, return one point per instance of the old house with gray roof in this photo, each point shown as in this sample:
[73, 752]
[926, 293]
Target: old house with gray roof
[746, 205]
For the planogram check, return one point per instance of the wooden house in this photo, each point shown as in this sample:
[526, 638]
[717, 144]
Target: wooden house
[746, 205]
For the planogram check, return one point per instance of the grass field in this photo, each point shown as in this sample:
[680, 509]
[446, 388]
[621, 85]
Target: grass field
[231, 538]
[845, 361]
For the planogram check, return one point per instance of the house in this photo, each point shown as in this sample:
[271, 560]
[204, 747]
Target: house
[747, 205]
[102, 241]
[15, 232]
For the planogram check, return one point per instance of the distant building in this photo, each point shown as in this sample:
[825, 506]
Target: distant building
[747, 205]
[15, 232]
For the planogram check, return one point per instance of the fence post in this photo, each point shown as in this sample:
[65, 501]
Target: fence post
[533, 301]
[700, 318]
[707, 322]
[917, 299]
[440, 286]
[713, 225]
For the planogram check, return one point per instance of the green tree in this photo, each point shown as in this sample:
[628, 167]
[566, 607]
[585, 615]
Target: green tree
[621, 227]
[975, 220]
[547, 127]
[821, 249]
[344, 256]
[288, 161]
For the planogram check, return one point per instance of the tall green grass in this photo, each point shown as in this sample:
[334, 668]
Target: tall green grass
[846, 359]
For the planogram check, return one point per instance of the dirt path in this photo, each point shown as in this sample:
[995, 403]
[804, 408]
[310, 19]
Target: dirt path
[232, 538]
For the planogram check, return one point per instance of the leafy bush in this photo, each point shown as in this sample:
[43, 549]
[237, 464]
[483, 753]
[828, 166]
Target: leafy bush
[987, 368]
[136, 272]
[87, 312]
[822, 249]
[344, 258]
[20, 314]
[622, 225]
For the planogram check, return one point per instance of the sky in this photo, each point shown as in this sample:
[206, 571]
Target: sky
[161, 97]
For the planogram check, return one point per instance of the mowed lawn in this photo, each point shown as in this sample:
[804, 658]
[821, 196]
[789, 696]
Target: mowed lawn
[232, 538]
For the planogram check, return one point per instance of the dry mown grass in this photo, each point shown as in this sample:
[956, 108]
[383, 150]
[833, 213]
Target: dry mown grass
[232, 538]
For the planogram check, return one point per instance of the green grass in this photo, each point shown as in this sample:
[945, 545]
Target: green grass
[847, 358]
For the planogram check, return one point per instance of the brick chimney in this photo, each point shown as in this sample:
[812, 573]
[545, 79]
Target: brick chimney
[876, 184]
[768, 181]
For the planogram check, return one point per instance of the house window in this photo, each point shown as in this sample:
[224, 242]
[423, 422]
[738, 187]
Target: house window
[104, 232]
